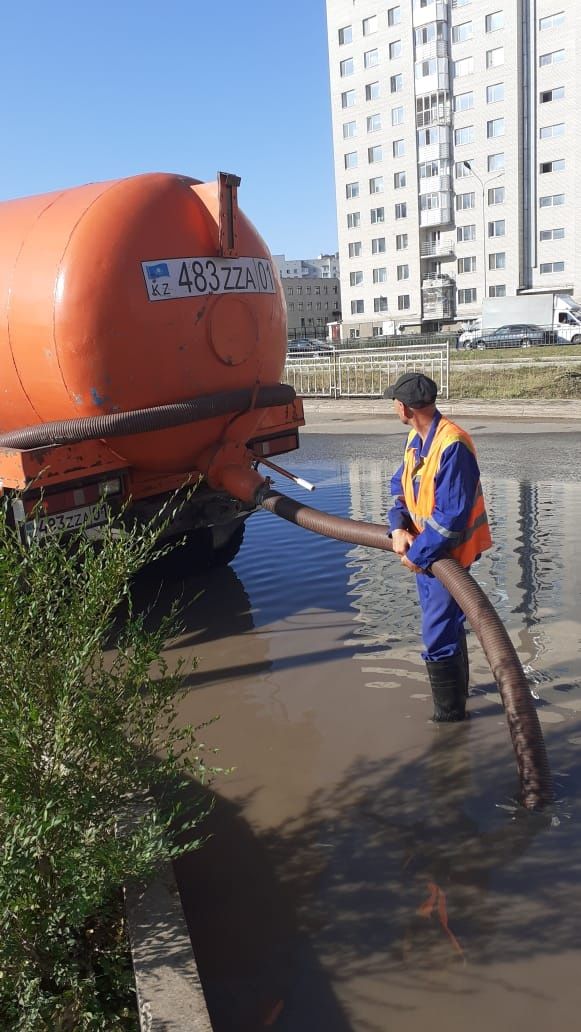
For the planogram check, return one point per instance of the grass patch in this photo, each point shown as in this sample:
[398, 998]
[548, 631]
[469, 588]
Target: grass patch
[524, 382]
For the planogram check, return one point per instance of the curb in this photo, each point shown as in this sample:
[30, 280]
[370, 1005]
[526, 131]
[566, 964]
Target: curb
[561, 409]
[170, 997]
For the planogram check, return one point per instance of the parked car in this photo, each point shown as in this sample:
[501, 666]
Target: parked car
[305, 346]
[514, 335]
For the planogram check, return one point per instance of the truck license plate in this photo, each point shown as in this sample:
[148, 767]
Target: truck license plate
[73, 519]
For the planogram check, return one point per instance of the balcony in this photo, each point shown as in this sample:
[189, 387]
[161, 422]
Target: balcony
[437, 48]
[438, 297]
[437, 249]
[433, 12]
[436, 184]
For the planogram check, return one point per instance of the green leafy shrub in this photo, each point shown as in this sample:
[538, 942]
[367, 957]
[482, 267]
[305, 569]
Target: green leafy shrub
[86, 730]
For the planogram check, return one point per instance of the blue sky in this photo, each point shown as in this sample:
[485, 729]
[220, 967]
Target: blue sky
[95, 91]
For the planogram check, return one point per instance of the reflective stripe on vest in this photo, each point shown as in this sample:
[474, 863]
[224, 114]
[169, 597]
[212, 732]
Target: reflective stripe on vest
[475, 538]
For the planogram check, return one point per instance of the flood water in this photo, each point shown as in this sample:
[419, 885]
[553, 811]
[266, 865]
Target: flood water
[368, 870]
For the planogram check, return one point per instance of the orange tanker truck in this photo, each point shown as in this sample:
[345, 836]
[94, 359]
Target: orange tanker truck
[142, 342]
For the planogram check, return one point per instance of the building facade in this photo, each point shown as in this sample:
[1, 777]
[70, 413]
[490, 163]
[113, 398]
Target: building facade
[457, 144]
[312, 302]
[326, 266]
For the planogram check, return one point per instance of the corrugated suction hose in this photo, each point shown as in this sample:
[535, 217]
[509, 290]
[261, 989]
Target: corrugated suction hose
[138, 421]
[523, 722]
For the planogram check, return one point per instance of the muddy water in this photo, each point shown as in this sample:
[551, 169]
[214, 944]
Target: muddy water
[368, 870]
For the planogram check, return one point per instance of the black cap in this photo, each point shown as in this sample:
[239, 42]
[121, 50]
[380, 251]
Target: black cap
[413, 389]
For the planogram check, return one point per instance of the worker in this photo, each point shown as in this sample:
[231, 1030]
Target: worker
[438, 511]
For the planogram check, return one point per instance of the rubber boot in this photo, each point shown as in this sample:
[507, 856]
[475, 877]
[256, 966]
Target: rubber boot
[449, 686]
[464, 652]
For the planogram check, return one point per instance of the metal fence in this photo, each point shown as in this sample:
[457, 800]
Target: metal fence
[366, 373]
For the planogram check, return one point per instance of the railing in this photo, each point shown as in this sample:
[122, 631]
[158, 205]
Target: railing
[443, 249]
[365, 373]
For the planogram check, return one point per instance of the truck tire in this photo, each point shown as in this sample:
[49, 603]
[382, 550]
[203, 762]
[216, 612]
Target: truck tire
[201, 554]
[576, 339]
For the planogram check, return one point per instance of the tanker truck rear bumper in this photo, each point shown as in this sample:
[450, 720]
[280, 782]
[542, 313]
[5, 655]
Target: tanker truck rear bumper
[67, 488]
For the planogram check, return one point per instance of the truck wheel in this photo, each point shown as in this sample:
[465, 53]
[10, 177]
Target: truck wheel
[576, 339]
[202, 553]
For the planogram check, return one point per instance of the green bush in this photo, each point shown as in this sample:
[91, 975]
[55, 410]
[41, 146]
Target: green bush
[86, 731]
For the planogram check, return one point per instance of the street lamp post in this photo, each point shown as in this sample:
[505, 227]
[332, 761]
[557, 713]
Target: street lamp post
[483, 185]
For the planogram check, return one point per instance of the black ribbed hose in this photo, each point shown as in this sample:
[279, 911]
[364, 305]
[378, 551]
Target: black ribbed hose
[138, 421]
[523, 722]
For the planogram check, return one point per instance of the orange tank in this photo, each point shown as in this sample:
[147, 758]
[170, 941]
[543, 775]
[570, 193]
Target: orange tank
[130, 294]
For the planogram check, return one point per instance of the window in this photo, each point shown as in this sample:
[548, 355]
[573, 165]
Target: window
[552, 234]
[467, 264]
[374, 154]
[357, 307]
[377, 215]
[369, 25]
[348, 99]
[371, 58]
[465, 201]
[496, 195]
[427, 137]
[555, 57]
[429, 169]
[345, 35]
[465, 233]
[372, 91]
[429, 201]
[291, 306]
[495, 128]
[398, 148]
[351, 159]
[464, 135]
[376, 185]
[373, 123]
[346, 67]
[462, 32]
[496, 162]
[395, 49]
[403, 272]
[355, 278]
[353, 219]
[396, 83]
[495, 93]
[349, 129]
[552, 21]
[467, 296]
[553, 166]
[552, 267]
[497, 290]
[497, 229]
[497, 260]
[547, 132]
[353, 334]
[424, 68]
[401, 242]
[380, 275]
[547, 96]
[464, 101]
[463, 67]
[495, 58]
[430, 33]
[403, 302]
[401, 210]
[380, 304]
[399, 180]
[378, 245]
[351, 190]
[300, 306]
[354, 249]
[460, 169]
[494, 21]
[552, 200]
[394, 16]
[397, 115]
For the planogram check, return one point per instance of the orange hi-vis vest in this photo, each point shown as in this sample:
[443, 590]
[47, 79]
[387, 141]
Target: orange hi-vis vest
[467, 544]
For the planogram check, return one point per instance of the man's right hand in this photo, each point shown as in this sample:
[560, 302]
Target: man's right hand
[402, 541]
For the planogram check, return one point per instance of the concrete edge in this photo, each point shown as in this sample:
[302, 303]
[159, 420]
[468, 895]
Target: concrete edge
[563, 409]
[170, 997]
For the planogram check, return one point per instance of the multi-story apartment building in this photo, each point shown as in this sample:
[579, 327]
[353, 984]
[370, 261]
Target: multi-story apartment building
[457, 142]
[326, 265]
